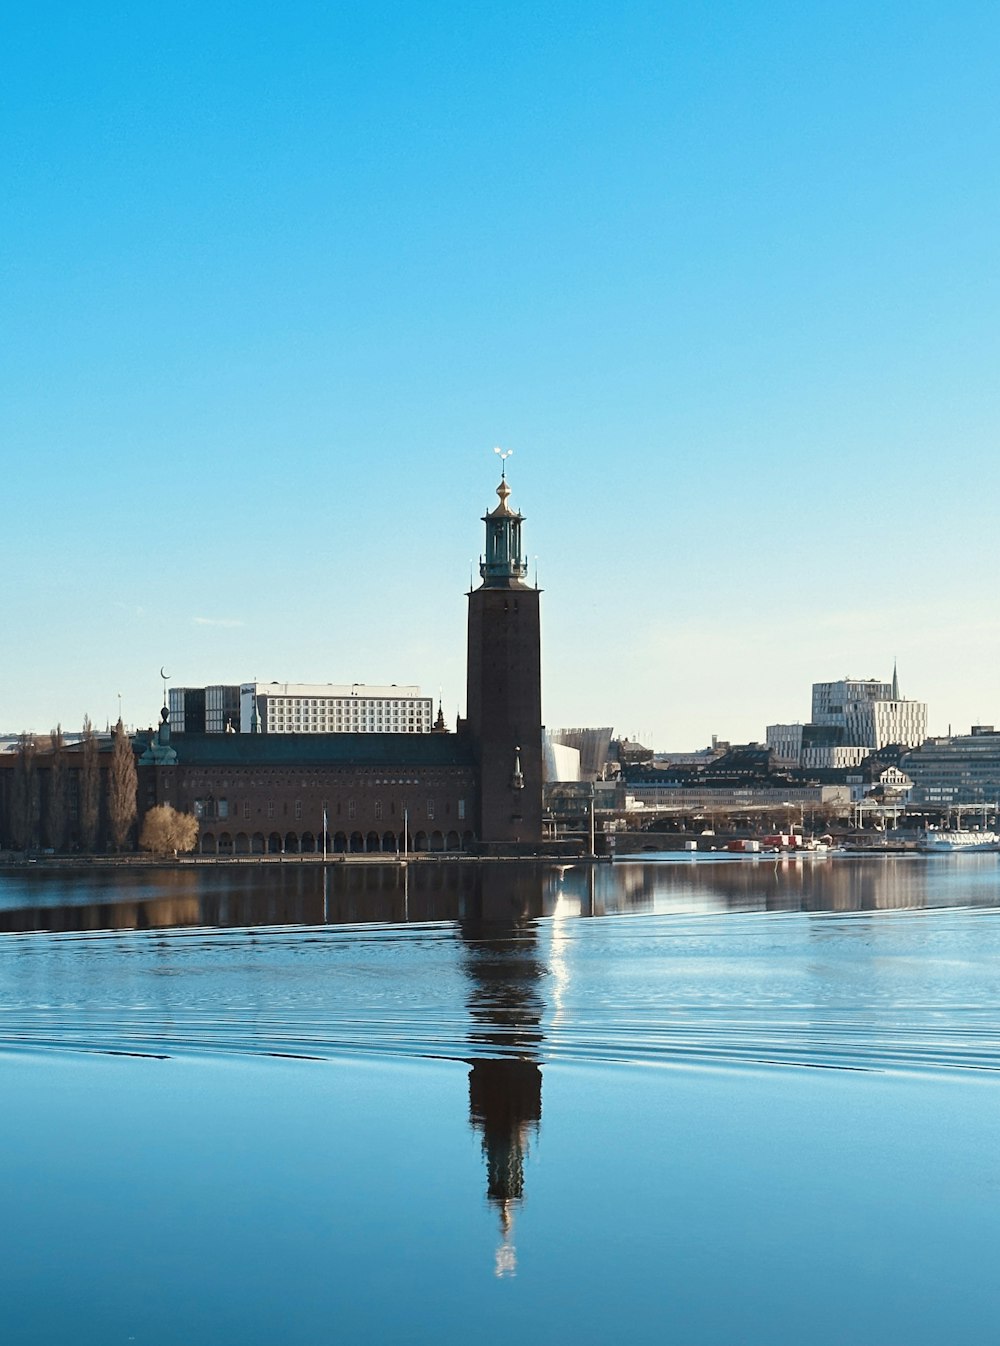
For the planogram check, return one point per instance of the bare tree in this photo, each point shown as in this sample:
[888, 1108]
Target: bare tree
[166, 831]
[90, 787]
[56, 810]
[122, 787]
[24, 801]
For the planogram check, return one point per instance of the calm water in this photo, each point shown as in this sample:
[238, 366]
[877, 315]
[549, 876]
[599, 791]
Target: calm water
[719, 1102]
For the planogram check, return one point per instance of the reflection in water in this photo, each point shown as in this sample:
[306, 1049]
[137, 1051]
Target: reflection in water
[492, 965]
[231, 897]
[505, 1092]
[809, 1102]
[798, 883]
[221, 897]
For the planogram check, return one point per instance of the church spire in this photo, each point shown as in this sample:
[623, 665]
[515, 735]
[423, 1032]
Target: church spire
[895, 682]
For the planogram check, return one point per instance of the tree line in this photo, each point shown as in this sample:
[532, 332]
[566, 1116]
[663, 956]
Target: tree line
[81, 798]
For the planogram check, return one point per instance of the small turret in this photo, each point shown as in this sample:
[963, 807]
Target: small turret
[160, 752]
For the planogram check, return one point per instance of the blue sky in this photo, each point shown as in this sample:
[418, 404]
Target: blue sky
[276, 279]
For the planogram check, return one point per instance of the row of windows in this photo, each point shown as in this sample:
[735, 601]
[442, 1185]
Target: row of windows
[308, 778]
[422, 704]
[404, 712]
[219, 808]
[307, 726]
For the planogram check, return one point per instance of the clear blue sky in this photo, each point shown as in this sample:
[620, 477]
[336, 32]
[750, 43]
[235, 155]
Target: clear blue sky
[275, 279]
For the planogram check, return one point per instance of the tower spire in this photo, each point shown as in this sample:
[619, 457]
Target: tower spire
[895, 681]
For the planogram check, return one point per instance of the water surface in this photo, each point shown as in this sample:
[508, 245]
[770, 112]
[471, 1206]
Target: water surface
[693, 1101]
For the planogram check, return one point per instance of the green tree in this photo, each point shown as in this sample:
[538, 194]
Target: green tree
[165, 831]
[90, 787]
[122, 787]
[56, 803]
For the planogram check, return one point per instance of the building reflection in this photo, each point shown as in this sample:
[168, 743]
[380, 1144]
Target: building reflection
[231, 897]
[505, 1003]
[234, 896]
[790, 883]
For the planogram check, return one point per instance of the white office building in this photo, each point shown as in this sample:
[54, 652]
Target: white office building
[329, 708]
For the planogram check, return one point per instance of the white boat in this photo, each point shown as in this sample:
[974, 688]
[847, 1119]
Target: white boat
[958, 839]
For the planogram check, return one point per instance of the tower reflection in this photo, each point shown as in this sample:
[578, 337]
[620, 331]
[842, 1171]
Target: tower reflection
[505, 1037]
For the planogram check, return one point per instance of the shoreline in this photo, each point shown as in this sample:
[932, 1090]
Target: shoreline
[85, 862]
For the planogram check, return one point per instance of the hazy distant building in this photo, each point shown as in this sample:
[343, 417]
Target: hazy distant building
[963, 769]
[730, 796]
[833, 756]
[812, 747]
[631, 753]
[701, 757]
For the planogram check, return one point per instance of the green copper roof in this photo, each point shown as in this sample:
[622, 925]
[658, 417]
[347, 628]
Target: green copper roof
[421, 750]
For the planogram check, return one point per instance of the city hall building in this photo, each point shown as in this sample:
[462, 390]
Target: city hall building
[360, 776]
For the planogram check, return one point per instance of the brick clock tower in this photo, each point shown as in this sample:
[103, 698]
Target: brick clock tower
[504, 692]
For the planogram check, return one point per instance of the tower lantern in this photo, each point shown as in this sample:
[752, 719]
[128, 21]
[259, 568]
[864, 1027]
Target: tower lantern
[503, 561]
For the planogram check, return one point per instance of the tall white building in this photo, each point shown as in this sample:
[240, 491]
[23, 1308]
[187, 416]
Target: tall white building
[879, 723]
[831, 701]
[329, 708]
[871, 714]
[850, 719]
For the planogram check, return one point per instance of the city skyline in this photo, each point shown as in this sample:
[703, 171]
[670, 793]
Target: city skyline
[723, 282]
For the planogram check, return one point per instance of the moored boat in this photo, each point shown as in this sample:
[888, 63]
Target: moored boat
[957, 839]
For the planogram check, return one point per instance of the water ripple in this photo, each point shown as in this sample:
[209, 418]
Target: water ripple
[900, 992]
[967, 1042]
